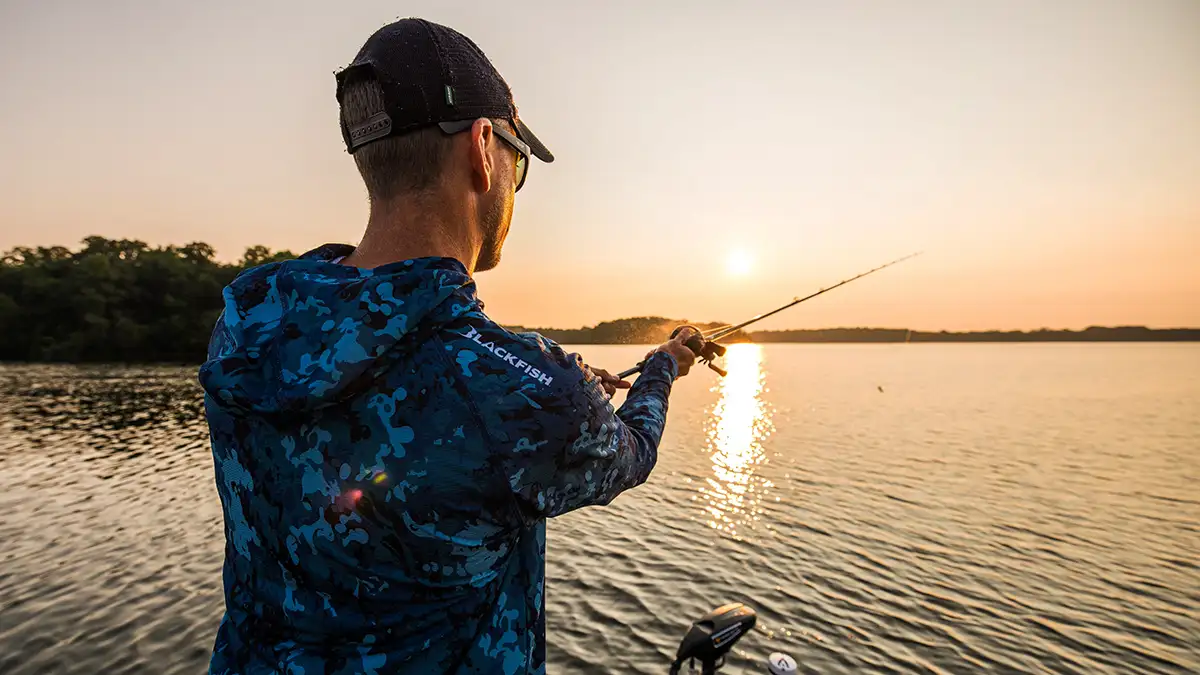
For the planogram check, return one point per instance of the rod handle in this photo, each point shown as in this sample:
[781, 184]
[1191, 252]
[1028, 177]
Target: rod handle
[631, 371]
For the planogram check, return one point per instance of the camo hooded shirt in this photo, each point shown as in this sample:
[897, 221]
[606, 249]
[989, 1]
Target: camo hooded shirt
[386, 458]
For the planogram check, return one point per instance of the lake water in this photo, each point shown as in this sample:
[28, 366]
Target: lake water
[886, 509]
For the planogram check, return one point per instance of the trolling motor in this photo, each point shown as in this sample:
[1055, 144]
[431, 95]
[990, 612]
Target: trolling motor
[711, 637]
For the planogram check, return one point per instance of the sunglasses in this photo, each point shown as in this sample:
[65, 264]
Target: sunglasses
[523, 151]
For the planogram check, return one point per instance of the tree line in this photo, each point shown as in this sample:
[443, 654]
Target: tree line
[121, 300]
[640, 330]
[114, 300]
[654, 329]
[1091, 334]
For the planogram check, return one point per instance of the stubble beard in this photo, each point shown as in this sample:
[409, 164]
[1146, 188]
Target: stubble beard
[495, 230]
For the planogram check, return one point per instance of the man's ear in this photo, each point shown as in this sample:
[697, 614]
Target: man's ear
[482, 166]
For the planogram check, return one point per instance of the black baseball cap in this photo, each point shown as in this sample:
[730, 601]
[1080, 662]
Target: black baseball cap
[429, 74]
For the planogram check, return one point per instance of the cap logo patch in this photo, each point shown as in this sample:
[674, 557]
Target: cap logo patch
[377, 126]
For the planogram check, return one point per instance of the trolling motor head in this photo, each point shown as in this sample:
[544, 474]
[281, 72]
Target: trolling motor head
[706, 351]
[712, 636]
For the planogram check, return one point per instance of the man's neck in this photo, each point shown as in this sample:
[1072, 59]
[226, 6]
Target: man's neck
[407, 229]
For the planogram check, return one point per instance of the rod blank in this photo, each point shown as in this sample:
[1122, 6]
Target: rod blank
[718, 333]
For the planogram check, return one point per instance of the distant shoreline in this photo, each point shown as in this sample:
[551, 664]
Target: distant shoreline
[124, 301]
[652, 330]
[1093, 334]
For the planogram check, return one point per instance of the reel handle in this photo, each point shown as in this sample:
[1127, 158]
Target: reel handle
[706, 351]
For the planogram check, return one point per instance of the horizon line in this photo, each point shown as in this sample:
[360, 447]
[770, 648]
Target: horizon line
[1042, 329]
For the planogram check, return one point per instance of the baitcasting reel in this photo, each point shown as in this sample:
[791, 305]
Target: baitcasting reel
[706, 351]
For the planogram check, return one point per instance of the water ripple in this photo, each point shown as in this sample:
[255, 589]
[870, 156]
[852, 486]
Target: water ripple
[1006, 509]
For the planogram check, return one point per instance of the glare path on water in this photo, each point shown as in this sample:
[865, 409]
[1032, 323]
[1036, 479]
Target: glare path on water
[739, 424]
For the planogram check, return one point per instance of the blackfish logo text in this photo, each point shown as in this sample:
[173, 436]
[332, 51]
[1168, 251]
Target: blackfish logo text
[508, 357]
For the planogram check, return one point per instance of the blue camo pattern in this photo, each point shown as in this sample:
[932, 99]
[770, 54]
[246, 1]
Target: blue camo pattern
[386, 458]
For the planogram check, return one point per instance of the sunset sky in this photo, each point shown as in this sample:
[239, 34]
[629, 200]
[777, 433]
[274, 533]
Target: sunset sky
[714, 159]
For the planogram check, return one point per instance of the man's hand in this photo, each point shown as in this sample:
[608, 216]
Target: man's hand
[610, 382]
[684, 356]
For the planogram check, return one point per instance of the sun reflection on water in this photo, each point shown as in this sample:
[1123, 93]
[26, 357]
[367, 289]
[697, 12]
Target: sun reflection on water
[740, 422]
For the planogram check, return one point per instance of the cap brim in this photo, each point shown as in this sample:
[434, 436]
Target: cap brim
[538, 148]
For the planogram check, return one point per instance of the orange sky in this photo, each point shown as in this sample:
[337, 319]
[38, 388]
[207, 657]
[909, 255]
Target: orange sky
[1045, 155]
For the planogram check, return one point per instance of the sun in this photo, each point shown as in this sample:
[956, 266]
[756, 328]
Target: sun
[739, 264]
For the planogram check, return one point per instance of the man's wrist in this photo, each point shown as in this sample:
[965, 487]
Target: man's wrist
[664, 361]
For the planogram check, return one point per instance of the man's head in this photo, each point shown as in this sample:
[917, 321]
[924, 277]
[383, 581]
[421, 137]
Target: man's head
[428, 119]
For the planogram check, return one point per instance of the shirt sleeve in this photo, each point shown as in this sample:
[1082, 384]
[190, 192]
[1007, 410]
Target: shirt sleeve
[589, 453]
[554, 437]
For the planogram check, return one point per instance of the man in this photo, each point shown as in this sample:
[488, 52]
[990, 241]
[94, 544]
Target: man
[386, 455]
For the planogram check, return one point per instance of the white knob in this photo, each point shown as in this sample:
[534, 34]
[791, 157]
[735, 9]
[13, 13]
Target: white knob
[781, 664]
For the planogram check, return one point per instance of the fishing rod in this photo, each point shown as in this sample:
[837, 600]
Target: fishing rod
[705, 345]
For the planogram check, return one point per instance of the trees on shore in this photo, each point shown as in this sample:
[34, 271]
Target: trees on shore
[114, 300]
[119, 300]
